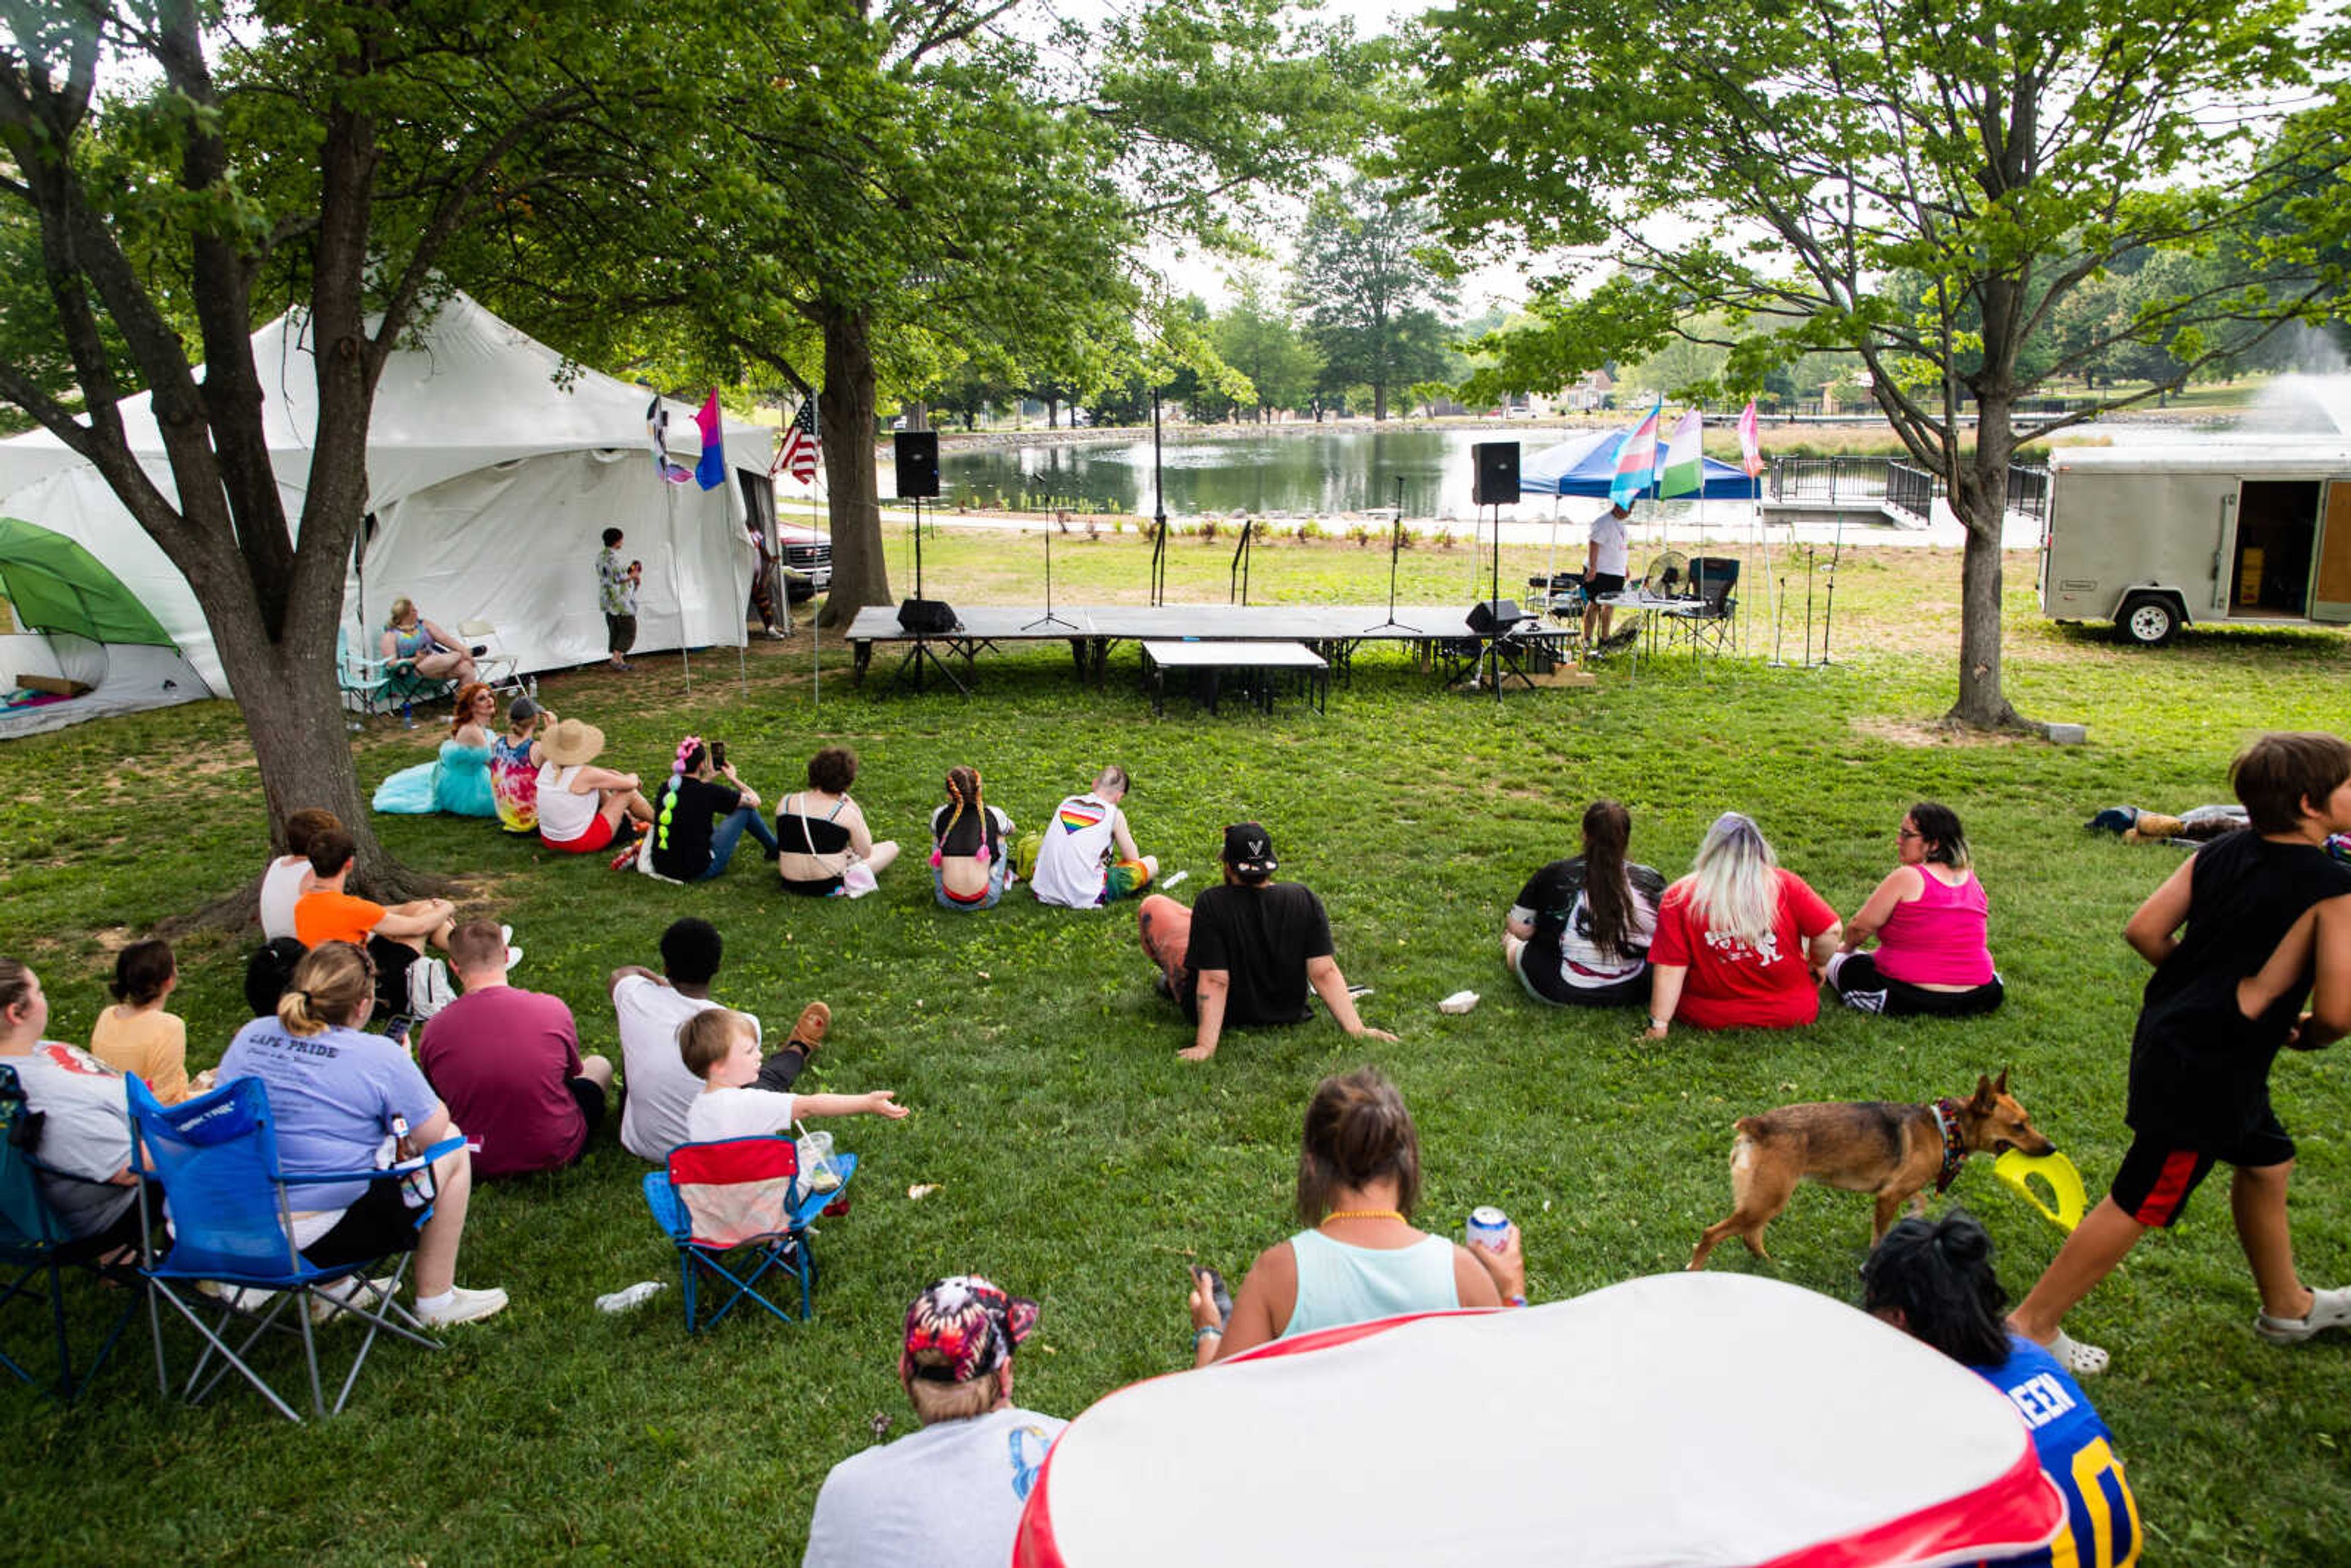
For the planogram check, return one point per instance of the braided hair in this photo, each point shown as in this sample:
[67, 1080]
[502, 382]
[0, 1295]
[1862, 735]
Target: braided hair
[968, 830]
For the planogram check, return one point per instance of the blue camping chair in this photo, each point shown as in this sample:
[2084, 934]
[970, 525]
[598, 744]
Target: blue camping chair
[232, 1218]
[34, 1244]
[731, 1209]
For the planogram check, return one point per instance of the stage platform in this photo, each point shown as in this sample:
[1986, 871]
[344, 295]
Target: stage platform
[1333, 631]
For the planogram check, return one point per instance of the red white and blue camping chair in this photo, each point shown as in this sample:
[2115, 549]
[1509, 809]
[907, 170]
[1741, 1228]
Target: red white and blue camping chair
[1704, 1420]
[231, 1208]
[731, 1209]
[34, 1246]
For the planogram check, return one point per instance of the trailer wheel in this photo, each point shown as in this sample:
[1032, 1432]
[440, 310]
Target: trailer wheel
[2149, 620]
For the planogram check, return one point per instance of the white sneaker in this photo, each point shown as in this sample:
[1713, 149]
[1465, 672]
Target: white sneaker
[464, 1307]
[327, 1302]
[2328, 1310]
[514, 956]
[506, 934]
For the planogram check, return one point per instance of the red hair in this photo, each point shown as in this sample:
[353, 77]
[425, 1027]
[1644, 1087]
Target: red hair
[465, 695]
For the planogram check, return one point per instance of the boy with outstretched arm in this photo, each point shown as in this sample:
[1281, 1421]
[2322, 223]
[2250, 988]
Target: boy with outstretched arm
[2246, 931]
[721, 1049]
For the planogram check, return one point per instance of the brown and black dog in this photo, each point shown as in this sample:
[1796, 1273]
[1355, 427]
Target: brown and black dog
[1891, 1152]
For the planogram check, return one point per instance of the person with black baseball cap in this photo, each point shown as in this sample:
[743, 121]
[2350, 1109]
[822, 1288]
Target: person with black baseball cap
[1249, 952]
[950, 1495]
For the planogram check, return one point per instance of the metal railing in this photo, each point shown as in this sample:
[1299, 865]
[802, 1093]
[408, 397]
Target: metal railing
[1828, 479]
[2028, 491]
[1912, 489]
[1848, 481]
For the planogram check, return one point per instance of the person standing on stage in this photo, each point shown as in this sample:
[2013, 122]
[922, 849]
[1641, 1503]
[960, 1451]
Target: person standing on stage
[616, 591]
[1603, 570]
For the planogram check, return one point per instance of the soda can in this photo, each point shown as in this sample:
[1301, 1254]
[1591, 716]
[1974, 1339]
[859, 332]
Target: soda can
[1489, 1227]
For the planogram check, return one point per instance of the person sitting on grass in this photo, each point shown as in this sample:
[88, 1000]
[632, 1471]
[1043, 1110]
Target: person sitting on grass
[1929, 916]
[457, 781]
[1359, 1258]
[515, 757]
[1933, 1279]
[84, 1138]
[1579, 935]
[970, 867]
[507, 1062]
[1740, 944]
[721, 1048]
[2247, 929]
[288, 876]
[1086, 856]
[686, 846]
[583, 808]
[825, 848]
[394, 938]
[336, 1095]
[136, 1035]
[950, 1495]
[652, 1008]
[1248, 953]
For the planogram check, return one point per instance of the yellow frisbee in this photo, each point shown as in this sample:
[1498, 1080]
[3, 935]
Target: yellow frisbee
[2067, 1202]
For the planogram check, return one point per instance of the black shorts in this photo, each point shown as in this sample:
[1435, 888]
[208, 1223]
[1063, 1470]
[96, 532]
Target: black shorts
[378, 1225]
[1861, 985]
[1600, 582]
[2158, 1175]
[1539, 972]
[588, 1095]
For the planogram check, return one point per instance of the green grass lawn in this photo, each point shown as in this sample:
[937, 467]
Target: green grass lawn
[1078, 1161]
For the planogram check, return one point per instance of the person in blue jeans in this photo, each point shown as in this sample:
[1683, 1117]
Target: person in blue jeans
[701, 811]
[1934, 1280]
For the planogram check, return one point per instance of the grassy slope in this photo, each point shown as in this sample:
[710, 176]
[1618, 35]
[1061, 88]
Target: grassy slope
[1078, 1161]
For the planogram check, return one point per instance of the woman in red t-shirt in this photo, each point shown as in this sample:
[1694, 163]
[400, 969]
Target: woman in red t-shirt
[1740, 943]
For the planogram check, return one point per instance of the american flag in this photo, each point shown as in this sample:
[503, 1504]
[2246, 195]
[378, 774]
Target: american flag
[800, 450]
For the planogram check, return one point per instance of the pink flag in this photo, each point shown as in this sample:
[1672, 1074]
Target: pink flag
[1750, 441]
[711, 472]
[1636, 459]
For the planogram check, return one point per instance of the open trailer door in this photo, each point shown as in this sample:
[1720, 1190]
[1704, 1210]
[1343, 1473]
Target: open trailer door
[2330, 587]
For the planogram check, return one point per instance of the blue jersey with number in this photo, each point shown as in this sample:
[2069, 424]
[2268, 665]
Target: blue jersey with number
[2076, 1453]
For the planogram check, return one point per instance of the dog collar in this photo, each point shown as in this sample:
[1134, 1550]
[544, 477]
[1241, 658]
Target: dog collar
[1954, 1155]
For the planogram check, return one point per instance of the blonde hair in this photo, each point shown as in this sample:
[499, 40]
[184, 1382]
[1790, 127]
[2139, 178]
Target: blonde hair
[334, 985]
[1732, 888]
[704, 1038]
[938, 1401]
[400, 608]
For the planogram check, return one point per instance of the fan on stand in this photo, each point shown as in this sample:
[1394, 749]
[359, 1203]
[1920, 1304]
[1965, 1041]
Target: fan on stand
[1668, 576]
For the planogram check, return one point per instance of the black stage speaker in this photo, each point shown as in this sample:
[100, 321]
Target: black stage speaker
[1496, 480]
[918, 465]
[1488, 616]
[929, 617]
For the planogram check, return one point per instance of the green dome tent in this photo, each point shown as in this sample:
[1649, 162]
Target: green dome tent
[78, 626]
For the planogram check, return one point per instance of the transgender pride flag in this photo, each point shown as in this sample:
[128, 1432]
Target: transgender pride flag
[1636, 459]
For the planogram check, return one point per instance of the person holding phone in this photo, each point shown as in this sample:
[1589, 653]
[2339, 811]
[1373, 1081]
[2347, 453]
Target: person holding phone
[616, 593]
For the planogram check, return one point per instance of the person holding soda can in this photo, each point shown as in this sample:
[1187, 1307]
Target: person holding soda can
[1359, 1258]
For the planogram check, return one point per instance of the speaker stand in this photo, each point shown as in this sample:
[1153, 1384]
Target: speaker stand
[922, 653]
[1493, 643]
[1049, 618]
[1396, 543]
[1237, 581]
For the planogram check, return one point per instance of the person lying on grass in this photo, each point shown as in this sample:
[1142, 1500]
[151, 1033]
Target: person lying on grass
[721, 1047]
[1248, 952]
[1359, 1258]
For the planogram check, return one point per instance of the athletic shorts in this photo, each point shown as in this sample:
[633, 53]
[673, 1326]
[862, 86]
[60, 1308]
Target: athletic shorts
[2158, 1176]
[598, 836]
[379, 1224]
[1862, 985]
[1600, 582]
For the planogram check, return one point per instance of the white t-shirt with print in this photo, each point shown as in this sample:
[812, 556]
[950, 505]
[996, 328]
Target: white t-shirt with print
[948, 1496]
[281, 886]
[719, 1114]
[85, 1133]
[1075, 847]
[660, 1088]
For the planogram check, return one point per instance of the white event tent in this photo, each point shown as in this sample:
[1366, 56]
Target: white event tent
[493, 466]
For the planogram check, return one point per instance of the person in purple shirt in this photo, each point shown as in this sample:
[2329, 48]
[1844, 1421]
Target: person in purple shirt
[507, 1062]
[338, 1098]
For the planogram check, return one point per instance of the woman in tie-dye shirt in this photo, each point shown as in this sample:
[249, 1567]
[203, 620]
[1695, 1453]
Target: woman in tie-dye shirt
[514, 759]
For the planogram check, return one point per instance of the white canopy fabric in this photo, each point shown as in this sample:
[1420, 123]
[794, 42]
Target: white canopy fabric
[493, 469]
[1700, 1420]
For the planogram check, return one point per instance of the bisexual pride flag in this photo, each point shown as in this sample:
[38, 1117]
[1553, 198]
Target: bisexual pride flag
[1636, 460]
[711, 472]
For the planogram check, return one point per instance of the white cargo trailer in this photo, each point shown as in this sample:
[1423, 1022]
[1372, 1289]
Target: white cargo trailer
[2155, 537]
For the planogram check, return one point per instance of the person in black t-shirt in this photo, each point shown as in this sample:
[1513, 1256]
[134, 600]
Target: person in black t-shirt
[701, 812]
[1247, 952]
[2267, 918]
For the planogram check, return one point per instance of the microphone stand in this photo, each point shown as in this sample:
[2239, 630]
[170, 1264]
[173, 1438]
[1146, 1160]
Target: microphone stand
[1049, 618]
[1396, 543]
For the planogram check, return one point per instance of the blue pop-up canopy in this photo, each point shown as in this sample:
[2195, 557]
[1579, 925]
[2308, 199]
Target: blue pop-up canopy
[1586, 465]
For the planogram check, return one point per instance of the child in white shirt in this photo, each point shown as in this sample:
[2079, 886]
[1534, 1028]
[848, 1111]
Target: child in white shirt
[721, 1048]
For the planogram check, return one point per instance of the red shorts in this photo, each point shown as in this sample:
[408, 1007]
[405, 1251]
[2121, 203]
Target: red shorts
[598, 836]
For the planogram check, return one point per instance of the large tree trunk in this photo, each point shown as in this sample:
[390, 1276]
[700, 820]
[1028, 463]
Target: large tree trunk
[1980, 499]
[845, 408]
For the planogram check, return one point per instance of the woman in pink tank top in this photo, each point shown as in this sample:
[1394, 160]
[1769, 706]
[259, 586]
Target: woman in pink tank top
[1928, 918]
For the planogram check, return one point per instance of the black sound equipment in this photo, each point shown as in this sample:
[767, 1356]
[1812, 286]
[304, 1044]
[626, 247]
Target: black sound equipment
[1495, 482]
[918, 464]
[1488, 616]
[931, 617]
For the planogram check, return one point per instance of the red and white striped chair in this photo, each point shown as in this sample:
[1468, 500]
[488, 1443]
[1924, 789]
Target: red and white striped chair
[732, 1209]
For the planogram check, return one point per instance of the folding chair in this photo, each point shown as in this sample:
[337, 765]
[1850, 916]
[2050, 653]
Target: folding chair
[232, 1223]
[34, 1244]
[374, 685]
[492, 664]
[730, 1207]
[1715, 579]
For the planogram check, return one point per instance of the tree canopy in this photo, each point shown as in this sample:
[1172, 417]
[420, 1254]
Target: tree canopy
[1368, 297]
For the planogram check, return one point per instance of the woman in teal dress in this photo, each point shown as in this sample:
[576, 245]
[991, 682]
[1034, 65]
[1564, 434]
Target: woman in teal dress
[459, 782]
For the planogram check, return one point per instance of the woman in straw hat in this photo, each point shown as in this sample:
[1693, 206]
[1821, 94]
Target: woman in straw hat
[581, 808]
